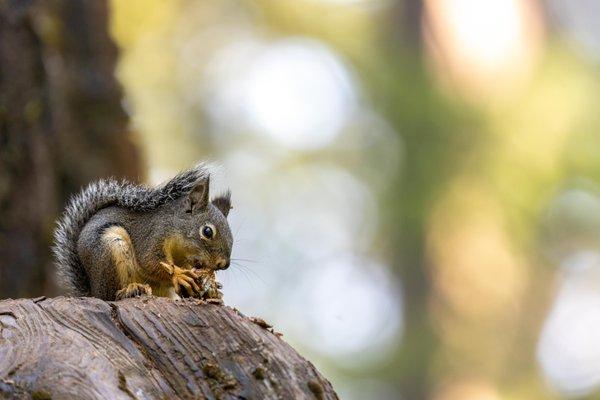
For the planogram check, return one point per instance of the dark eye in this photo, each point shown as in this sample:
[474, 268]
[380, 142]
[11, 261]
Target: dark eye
[207, 232]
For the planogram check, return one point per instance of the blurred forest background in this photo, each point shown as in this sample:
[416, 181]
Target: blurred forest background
[415, 183]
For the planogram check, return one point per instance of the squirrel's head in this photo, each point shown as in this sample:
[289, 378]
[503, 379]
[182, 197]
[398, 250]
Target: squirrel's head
[208, 229]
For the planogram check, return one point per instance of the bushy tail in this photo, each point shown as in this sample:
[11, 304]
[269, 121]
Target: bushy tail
[98, 195]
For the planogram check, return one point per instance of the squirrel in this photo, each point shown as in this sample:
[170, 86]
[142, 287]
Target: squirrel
[117, 239]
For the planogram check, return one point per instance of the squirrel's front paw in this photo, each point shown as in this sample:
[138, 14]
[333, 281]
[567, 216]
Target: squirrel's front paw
[134, 290]
[185, 278]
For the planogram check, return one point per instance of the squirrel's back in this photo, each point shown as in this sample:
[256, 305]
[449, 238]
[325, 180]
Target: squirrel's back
[101, 194]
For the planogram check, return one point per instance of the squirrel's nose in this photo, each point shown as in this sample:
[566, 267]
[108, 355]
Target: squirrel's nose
[222, 263]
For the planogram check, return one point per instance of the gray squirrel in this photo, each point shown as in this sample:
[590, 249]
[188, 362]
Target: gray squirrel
[117, 239]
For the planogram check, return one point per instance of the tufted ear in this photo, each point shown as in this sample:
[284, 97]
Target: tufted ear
[198, 197]
[223, 202]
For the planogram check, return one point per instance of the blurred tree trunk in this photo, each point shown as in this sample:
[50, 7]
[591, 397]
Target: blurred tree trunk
[61, 125]
[409, 27]
[428, 141]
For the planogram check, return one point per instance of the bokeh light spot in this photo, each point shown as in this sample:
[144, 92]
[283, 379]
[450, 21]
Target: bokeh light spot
[295, 91]
[568, 350]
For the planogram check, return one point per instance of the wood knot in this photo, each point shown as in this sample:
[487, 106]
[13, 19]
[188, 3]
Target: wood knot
[259, 373]
[225, 380]
[316, 388]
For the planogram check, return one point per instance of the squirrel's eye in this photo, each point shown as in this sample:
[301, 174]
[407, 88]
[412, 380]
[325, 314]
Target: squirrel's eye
[207, 232]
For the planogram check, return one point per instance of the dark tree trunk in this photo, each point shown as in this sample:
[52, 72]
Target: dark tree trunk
[146, 348]
[61, 125]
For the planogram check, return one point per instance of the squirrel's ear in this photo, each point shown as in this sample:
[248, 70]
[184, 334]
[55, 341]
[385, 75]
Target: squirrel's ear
[198, 197]
[223, 202]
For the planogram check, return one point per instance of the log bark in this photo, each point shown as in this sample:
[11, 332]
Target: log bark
[146, 348]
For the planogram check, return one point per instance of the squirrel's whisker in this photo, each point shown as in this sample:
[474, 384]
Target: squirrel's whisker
[247, 270]
[244, 259]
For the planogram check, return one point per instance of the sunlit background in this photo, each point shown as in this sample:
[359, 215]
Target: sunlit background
[415, 183]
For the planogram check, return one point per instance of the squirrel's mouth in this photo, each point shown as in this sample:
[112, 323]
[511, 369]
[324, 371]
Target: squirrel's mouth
[209, 264]
[198, 263]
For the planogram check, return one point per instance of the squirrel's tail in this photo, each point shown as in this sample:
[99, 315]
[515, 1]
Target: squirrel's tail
[98, 195]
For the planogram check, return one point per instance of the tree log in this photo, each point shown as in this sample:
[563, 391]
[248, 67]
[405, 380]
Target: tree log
[146, 348]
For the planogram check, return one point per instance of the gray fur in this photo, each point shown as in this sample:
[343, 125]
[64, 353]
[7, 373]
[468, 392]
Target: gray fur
[100, 195]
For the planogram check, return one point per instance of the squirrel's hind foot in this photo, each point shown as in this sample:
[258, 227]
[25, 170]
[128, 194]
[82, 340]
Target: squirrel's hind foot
[134, 290]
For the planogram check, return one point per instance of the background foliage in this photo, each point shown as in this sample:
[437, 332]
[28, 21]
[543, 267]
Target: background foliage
[415, 183]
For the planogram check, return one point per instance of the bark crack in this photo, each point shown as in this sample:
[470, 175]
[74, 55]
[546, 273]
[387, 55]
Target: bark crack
[116, 318]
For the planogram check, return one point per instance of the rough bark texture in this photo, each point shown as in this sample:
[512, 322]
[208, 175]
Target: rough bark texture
[61, 126]
[146, 348]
